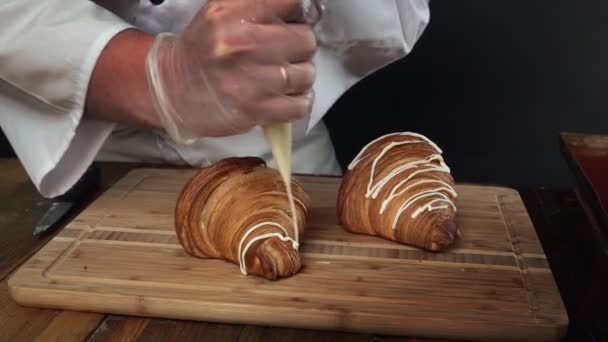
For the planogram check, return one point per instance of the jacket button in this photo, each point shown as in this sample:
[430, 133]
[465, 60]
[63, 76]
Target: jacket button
[156, 2]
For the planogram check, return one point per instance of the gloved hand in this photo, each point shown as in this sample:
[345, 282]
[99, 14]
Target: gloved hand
[239, 63]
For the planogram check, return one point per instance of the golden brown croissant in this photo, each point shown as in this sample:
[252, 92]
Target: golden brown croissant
[237, 210]
[399, 188]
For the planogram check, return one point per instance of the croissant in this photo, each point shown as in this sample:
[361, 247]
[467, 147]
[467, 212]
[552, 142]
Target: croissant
[237, 210]
[399, 188]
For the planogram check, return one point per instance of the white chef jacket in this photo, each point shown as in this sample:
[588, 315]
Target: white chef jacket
[48, 50]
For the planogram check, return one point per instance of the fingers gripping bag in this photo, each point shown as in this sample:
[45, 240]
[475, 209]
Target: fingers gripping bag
[240, 64]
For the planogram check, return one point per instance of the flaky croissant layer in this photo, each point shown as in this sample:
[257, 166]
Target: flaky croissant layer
[398, 187]
[238, 210]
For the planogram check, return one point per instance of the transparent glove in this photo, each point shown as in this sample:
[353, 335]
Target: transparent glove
[239, 63]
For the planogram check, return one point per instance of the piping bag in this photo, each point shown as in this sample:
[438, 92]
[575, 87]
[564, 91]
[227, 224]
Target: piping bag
[279, 137]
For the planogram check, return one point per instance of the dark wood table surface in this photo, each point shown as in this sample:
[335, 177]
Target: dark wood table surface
[577, 258]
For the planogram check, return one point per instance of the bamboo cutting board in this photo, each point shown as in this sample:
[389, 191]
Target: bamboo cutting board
[121, 256]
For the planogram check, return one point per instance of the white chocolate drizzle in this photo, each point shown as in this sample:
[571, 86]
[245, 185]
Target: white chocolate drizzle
[429, 206]
[395, 194]
[423, 166]
[360, 156]
[243, 251]
[374, 190]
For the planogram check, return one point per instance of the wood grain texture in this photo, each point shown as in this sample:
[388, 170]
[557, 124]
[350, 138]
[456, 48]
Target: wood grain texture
[577, 257]
[18, 323]
[21, 206]
[20, 209]
[171, 330]
[265, 334]
[121, 256]
[70, 326]
[119, 329]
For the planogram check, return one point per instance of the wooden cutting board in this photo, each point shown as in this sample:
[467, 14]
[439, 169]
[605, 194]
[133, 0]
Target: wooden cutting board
[121, 256]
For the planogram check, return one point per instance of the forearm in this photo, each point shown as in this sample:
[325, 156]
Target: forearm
[118, 90]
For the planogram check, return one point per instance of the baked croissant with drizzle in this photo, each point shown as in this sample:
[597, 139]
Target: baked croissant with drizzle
[399, 188]
[237, 210]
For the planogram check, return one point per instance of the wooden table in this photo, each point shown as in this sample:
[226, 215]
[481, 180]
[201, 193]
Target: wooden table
[578, 263]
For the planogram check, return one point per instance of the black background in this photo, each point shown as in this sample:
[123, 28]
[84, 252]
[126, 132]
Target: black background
[493, 83]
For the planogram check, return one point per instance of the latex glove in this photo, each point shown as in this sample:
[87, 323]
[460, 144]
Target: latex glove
[240, 63]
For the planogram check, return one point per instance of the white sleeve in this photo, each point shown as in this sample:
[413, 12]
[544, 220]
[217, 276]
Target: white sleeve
[48, 50]
[358, 37]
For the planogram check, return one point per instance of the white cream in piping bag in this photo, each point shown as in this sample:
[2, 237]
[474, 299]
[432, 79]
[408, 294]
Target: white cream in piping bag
[279, 137]
[422, 166]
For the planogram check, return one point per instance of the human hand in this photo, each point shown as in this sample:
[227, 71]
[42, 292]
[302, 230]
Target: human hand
[240, 63]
